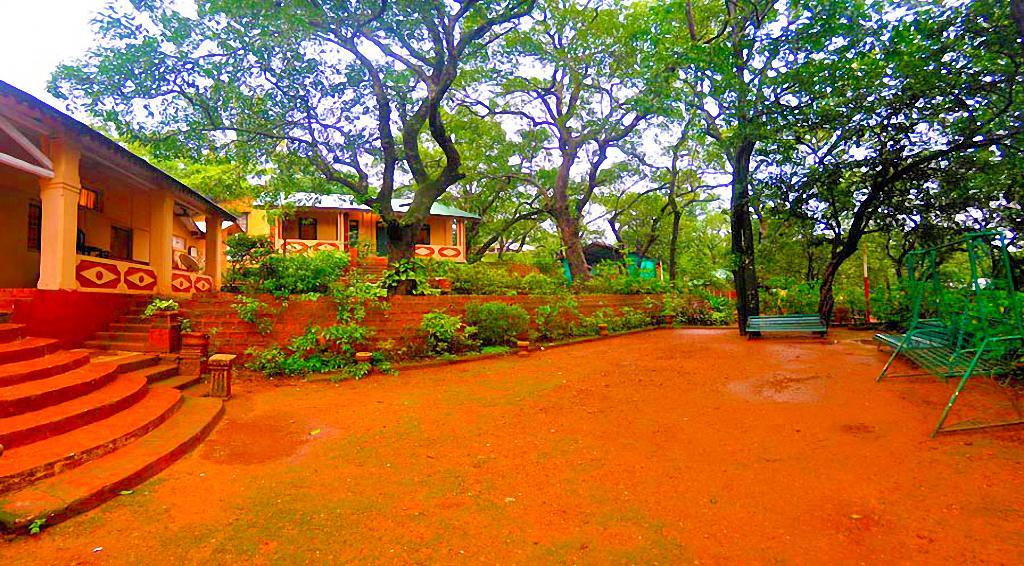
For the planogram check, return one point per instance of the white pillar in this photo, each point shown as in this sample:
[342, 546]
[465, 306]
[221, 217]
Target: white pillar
[161, 222]
[59, 230]
[214, 239]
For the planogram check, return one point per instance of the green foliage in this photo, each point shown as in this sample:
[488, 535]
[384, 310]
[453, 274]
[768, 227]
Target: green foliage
[446, 334]
[297, 274]
[412, 270]
[247, 256]
[494, 279]
[698, 308]
[36, 526]
[255, 311]
[614, 278]
[784, 295]
[159, 305]
[555, 320]
[498, 324]
[185, 325]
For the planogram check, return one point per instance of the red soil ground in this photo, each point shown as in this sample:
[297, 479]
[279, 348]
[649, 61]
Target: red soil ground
[662, 447]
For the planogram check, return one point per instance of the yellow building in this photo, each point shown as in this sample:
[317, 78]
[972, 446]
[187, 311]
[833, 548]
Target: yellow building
[84, 214]
[337, 222]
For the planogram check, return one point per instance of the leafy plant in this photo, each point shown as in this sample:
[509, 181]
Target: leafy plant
[498, 323]
[185, 325]
[555, 320]
[446, 334]
[159, 305]
[408, 270]
[36, 526]
[254, 311]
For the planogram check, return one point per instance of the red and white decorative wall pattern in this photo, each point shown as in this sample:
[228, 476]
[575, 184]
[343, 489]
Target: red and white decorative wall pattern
[95, 274]
[111, 276]
[439, 252]
[188, 282]
[302, 246]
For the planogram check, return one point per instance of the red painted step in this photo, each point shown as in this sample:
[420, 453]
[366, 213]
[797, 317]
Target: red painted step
[157, 372]
[39, 368]
[40, 393]
[26, 348]
[87, 486]
[25, 464]
[116, 346]
[34, 426]
[10, 331]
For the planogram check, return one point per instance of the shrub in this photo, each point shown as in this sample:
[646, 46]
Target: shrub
[446, 334]
[256, 312]
[412, 270]
[498, 324]
[297, 274]
[555, 320]
[539, 284]
[698, 308]
[247, 255]
[612, 277]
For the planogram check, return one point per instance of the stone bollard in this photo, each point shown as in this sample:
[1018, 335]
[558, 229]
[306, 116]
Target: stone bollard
[524, 348]
[602, 329]
[220, 375]
[194, 348]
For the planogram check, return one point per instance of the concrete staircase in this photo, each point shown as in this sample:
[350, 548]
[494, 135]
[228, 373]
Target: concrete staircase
[77, 426]
[129, 332]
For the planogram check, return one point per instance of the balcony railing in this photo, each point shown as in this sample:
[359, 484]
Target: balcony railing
[303, 246]
[450, 253]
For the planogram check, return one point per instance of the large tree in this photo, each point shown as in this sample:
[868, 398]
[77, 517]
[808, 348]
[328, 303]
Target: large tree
[576, 79]
[923, 91]
[356, 89]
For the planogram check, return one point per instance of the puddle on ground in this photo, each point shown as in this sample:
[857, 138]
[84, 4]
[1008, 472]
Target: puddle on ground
[780, 389]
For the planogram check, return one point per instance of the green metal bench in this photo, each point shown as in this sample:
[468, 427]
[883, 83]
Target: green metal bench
[786, 323]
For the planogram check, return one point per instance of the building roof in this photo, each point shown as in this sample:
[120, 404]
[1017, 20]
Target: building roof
[97, 141]
[347, 202]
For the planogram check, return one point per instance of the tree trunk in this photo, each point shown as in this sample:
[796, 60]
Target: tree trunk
[401, 246]
[826, 298]
[744, 272]
[569, 231]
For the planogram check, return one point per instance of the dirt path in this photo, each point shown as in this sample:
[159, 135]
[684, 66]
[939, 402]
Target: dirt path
[662, 447]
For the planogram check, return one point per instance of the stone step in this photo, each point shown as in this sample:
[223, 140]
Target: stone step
[87, 486]
[122, 336]
[25, 428]
[42, 367]
[129, 327]
[179, 382]
[39, 393]
[116, 346]
[158, 372]
[10, 331]
[22, 465]
[125, 361]
[26, 348]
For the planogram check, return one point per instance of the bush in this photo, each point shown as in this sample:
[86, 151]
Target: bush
[612, 277]
[298, 274]
[555, 320]
[498, 324]
[698, 308]
[247, 255]
[446, 334]
[495, 279]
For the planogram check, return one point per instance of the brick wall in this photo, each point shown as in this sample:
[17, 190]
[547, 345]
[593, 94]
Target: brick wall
[400, 322]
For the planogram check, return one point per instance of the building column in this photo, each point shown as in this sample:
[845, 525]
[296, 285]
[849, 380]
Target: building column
[161, 223]
[59, 230]
[214, 240]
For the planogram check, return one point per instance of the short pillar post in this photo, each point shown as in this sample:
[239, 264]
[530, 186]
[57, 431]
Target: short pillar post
[524, 348]
[194, 348]
[220, 375]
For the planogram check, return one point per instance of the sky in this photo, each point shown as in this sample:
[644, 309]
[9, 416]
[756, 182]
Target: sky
[37, 35]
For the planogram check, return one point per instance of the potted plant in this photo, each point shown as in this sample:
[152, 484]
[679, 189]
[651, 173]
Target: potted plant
[164, 333]
[194, 348]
